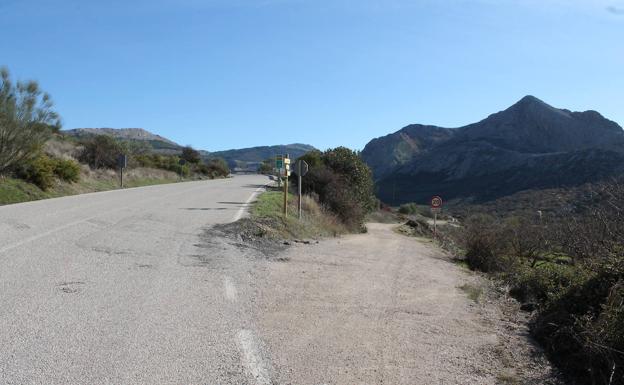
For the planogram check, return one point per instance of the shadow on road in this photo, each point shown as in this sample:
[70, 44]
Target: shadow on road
[204, 208]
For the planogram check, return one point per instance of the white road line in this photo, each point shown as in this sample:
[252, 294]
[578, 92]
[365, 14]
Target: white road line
[242, 210]
[252, 357]
[230, 290]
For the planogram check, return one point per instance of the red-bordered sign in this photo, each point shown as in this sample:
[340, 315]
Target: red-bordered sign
[436, 202]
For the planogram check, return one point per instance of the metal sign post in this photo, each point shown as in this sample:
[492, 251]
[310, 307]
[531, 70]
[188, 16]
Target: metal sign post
[302, 168]
[436, 207]
[182, 162]
[279, 165]
[122, 162]
[286, 175]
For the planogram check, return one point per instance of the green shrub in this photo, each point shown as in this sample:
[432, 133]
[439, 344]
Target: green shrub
[39, 171]
[217, 168]
[145, 160]
[343, 183]
[27, 121]
[543, 283]
[583, 330]
[573, 270]
[42, 170]
[408, 209]
[267, 166]
[415, 209]
[183, 170]
[355, 175]
[485, 248]
[67, 170]
[102, 151]
[191, 155]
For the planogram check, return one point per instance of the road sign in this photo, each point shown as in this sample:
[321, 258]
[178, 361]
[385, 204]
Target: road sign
[287, 160]
[122, 161]
[436, 202]
[279, 162]
[301, 167]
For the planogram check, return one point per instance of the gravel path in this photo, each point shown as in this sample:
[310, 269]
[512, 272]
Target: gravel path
[381, 308]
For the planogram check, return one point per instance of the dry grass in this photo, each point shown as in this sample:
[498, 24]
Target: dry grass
[62, 149]
[473, 291]
[316, 221]
[15, 191]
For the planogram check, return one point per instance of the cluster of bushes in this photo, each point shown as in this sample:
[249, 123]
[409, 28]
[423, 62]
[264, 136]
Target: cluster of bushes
[27, 122]
[266, 167]
[42, 171]
[342, 182]
[570, 270]
[103, 151]
[414, 209]
[163, 162]
[214, 168]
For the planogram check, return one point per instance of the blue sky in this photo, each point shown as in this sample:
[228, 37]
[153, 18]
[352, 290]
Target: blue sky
[222, 74]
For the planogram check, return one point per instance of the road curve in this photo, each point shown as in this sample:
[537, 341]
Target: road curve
[103, 288]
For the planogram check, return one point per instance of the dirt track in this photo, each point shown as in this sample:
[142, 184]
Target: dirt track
[381, 308]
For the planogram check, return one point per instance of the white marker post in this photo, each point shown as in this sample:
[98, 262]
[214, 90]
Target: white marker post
[286, 175]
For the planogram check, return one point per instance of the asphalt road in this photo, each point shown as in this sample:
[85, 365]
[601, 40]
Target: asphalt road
[106, 288]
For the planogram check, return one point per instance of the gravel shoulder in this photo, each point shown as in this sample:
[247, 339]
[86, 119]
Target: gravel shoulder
[382, 308]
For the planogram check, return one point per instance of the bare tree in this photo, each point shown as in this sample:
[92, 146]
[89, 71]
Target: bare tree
[26, 120]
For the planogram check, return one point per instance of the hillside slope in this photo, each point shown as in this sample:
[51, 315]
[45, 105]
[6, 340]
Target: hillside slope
[248, 159]
[251, 158]
[157, 143]
[530, 145]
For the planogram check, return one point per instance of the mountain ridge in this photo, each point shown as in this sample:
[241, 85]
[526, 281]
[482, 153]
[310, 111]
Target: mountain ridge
[243, 159]
[524, 139]
[122, 133]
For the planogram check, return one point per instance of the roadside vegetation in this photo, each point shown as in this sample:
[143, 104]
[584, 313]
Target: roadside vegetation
[316, 222]
[37, 161]
[337, 197]
[340, 181]
[568, 269]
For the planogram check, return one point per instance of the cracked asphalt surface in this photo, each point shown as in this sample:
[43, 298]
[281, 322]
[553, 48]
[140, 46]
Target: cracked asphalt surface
[107, 288]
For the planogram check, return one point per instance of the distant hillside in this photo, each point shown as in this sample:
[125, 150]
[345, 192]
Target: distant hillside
[530, 145]
[156, 142]
[383, 155]
[251, 158]
[242, 159]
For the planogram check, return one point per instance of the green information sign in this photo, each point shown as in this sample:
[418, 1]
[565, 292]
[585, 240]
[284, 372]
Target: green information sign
[279, 162]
